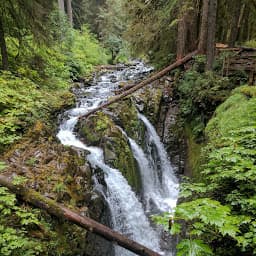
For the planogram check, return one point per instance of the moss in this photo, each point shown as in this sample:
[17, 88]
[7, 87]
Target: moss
[124, 160]
[193, 154]
[101, 130]
[126, 114]
[240, 107]
[152, 100]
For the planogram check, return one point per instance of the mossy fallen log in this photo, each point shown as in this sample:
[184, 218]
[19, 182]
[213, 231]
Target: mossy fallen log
[145, 82]
[53, 208]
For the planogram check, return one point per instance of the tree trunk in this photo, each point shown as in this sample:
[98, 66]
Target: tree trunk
[4, 53]
[202, 45]
[237, 7]
[240, 21]
[187, 30]
[62, 212]
[211, 34]
[244, 24]
[70, 12]
[181, 38]
[192, 19]
[147, 81]
[61, 5]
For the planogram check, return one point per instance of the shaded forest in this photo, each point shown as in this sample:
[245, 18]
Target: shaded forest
[204, 50]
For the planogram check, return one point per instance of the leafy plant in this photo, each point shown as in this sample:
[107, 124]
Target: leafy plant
[200, 94]
[13, 240]
[219, 208]
[2, 166]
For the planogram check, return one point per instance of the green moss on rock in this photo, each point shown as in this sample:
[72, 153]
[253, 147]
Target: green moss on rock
[100, 130]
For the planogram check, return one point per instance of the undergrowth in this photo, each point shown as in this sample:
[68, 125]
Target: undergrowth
[219, 208]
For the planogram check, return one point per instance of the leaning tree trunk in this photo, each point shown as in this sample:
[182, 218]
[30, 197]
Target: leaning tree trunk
[61, 212]
[202, 45]
[70, 12]
[211, 34]
[4, 53]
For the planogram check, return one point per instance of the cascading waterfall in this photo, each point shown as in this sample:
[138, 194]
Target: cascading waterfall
[154, 193]
[159, 185]
[163, 183]
[127, 212]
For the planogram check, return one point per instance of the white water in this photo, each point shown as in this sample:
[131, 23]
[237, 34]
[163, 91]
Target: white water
[127, 212]
[161, 182]
[155, 193]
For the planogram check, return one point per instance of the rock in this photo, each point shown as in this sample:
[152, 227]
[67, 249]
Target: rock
[109, 155]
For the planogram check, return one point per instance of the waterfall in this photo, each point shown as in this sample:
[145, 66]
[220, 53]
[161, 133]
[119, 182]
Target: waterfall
[128, 216]
[127, 213]
[154, 192]
[162, 183]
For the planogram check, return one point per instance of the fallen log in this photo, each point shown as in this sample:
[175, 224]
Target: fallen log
[145, 82]
[59, 211]
[125, 88]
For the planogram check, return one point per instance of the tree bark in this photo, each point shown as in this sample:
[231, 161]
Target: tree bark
[202, 45]
[211, 34]
[4, 53]
[61, 5]
[192, 28]
[181, 38]
[70, 12]
[143, 83]
[62, 212]
[234, 27]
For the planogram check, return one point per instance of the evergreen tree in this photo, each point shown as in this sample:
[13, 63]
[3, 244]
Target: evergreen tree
[18, 17]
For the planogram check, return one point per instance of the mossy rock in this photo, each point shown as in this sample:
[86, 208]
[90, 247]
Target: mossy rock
[241, 106]
[100, 130]
[126, 116]
[150, 99]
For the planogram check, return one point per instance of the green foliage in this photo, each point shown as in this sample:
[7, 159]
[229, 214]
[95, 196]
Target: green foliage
[188, 247]
[2, 166]
[151, 31]
[18, 180]
[85, 53]
[13, 238]
[18, 104]
[40, 63]
[200, 94]
[112, 24]
[221, 209]
[251, 43]
[210, 217]
[40, 78]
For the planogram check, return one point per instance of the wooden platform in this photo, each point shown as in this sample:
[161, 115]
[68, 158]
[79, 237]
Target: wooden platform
[239, 59]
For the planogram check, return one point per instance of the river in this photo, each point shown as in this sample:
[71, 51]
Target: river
[129, 213]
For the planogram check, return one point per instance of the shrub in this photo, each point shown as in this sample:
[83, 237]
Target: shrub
[219, 210]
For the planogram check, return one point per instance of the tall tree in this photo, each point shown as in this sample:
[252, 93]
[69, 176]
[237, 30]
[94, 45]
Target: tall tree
[70, 12]
[187, 28]
[4, 53]
[18, 16]
[181, 37]
[61, 5]
[211, 32]
[234, 25]
[202, 45]
[112, 24]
